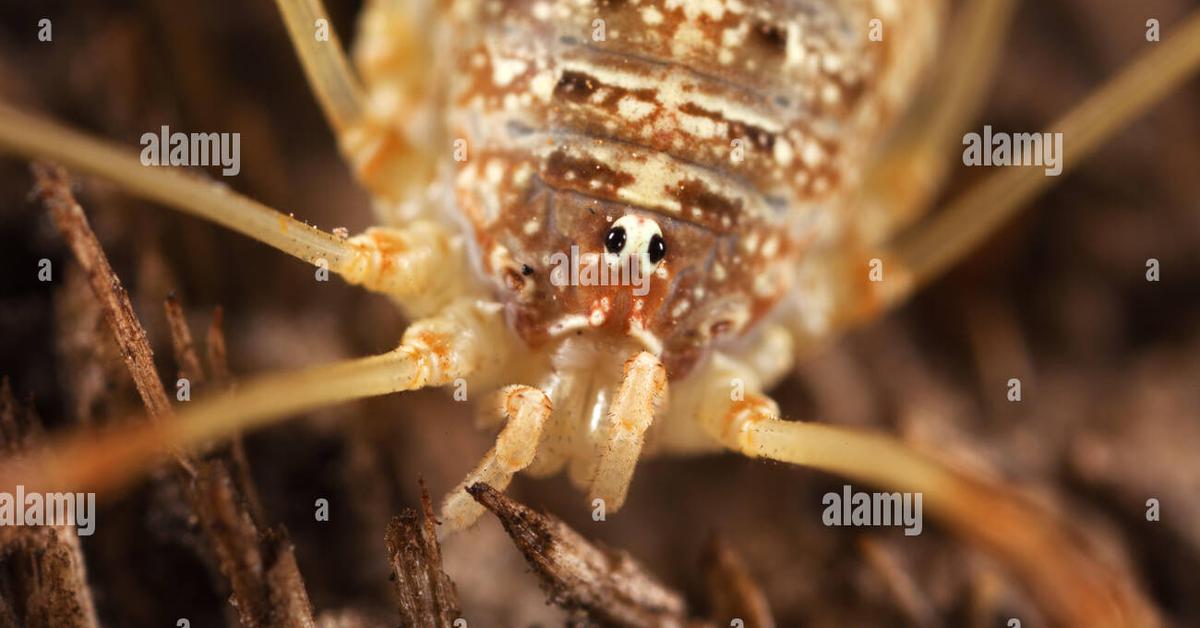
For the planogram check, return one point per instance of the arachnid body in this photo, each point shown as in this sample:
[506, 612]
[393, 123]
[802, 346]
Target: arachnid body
[729, 168]
[708, 149]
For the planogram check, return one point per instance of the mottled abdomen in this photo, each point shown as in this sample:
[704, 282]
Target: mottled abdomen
[732, 128]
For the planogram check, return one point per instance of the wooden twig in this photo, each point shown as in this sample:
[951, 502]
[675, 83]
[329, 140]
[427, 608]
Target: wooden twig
[218, 364]
[900, 582]
[43, 565]
[267, 588]
[181, 342]
[732, 593]
[262, 573]
[214, 342]
[424, 593]
[53, 188]
[609, 586]
[91, 364]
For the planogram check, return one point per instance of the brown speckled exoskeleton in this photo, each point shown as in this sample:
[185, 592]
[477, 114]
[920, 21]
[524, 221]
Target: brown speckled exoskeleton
[751, 165]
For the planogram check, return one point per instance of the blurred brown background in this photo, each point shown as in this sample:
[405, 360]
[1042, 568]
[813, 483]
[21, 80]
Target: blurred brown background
[1111, 379]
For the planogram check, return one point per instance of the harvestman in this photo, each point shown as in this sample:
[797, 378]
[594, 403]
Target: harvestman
[722, 146]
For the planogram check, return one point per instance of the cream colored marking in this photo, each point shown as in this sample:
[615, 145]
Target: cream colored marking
[693, 9]
[669, 85]
[567, 324]
[831, 94]
[505, 70]
[649, 341]
[750, 243]
[771, 247]
[494, 172]
[542, 85]
[521, 176]
[656, 173]
[813, 155]
[796, 53]
[600, 95]
[633, 109]
[832, 63]
[701, 127]
[764, 285]
[783, 152]
[735, 37]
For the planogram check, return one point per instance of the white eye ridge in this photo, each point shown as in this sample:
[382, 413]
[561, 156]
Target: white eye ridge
[635, 237]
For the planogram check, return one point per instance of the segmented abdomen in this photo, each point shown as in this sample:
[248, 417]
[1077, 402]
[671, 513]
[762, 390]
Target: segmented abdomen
[743, 122]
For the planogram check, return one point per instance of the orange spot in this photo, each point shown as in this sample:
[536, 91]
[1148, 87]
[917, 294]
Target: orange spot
[436, 343]
[749, 410]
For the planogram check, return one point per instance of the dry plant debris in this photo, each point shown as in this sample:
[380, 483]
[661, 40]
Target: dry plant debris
[54, 190]
[424, 593]
[608, 585]
[266, 587]
[43, 581]
[732, 592]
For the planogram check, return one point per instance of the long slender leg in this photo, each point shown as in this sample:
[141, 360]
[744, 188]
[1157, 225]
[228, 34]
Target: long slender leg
[527, 410]
[1074, 589]
[464, 340]
[324, 61]
[903, 180]
[643, 387]
[34, 137]
[931, 248]
[402, 263]
[838, 274]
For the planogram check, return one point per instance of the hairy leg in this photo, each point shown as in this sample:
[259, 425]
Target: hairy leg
[464, 340]
[1073, 588]
[527, 410]
[567, 391]
[637, 400]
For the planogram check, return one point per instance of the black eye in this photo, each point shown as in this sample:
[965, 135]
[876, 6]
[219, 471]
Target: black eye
[615, 240]
[658, 249]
